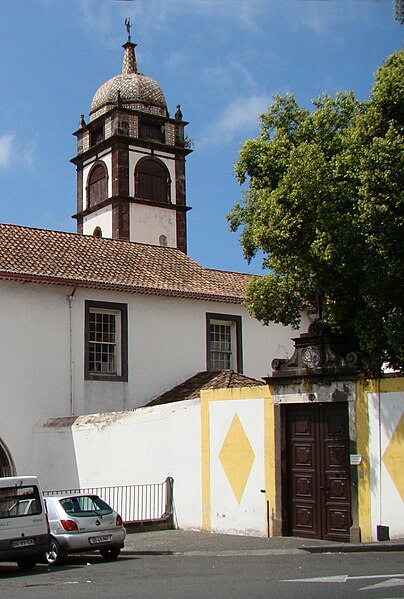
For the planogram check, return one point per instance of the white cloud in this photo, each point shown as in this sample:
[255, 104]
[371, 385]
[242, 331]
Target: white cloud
[245, 72]
[28, 154]
[238, 119]
[106, 18]
[323, 17]
[177, 60]
[102, 18]
[246, 14]
[6, 149]
[156, 15]
[13, 152]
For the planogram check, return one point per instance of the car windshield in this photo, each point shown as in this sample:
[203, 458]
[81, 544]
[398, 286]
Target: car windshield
[85, 505]
[19, 501]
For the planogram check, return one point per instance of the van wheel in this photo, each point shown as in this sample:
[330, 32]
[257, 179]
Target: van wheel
[110, 553]
[55, 555]
[27, 563]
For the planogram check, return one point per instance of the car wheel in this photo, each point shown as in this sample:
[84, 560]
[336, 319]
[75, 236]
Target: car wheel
[27, 563]
[55, 555]
[110, 553]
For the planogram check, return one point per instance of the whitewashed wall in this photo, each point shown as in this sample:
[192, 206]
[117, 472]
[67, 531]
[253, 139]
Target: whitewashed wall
[34, 366]
[167, 345]
[386, 434]
[54, 454]
[179, 440]
[100, 218]
[139, 447]
[147, 223]
[41, 378]
[237, 503]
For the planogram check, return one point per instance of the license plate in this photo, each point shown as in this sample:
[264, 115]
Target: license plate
[101, 539]
[23, 543]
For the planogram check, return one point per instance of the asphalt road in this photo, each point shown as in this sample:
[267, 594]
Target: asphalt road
[239, 576]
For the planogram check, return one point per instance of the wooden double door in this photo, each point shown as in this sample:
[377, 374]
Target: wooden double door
[316, 471]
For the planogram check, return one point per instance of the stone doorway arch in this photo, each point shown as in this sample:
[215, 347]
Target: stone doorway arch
[7, 467]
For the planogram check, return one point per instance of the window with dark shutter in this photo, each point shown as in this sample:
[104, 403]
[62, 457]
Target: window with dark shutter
[97, 135]
[150, 130]
[152, 181]
[97, 186]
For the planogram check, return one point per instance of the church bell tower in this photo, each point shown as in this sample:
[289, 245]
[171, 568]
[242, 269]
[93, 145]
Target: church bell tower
[131, 162]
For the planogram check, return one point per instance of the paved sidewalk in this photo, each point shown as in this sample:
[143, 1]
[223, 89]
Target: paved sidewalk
[180, 542]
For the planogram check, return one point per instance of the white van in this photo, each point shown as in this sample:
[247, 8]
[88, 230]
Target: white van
[24, 527]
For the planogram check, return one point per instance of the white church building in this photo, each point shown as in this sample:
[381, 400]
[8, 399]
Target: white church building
[102, 322]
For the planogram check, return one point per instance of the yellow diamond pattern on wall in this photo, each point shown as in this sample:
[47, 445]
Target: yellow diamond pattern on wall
[393, 457]
[237, 457]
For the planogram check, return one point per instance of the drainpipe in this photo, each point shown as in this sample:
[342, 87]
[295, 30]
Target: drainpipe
[71, 297]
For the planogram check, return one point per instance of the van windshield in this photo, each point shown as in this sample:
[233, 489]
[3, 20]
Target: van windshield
[19, 501]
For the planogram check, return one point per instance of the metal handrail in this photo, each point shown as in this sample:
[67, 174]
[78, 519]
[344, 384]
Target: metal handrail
[135, 503]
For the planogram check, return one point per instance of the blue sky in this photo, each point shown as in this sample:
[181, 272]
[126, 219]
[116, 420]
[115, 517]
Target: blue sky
[222, 60]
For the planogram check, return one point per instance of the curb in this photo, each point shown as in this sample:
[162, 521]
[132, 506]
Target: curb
[215, 553]
[363, 548]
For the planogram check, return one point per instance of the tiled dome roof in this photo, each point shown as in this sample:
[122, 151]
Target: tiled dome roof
[134, 89]
[131, 88]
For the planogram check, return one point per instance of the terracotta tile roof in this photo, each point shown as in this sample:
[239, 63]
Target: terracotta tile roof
[68, 258]
[192, 387]
[233, 282]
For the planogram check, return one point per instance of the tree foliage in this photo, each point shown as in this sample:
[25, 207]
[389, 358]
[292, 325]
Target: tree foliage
[324, 204]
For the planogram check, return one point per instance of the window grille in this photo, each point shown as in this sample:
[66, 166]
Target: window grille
[221, 346]
[106, 341]
[224, 344]
[103, 343]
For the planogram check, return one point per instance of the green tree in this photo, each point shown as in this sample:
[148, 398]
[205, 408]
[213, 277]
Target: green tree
[324, 204]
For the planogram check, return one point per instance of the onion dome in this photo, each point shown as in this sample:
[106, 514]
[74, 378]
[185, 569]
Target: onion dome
[130, 89]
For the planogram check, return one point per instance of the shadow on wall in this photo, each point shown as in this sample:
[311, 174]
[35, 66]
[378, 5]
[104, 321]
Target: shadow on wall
[54, 457]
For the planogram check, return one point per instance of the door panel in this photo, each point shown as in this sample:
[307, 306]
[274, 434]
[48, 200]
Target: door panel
[334, 437]
[304, 466]
[317, 470]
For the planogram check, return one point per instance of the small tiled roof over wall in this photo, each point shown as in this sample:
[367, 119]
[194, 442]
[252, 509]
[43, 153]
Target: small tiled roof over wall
[192, 387]
[55, 257]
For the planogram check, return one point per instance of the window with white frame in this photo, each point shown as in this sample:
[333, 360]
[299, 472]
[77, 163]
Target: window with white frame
[224, 347]
[106, 341]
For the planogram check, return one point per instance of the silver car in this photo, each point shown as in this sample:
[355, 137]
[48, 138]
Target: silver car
[83, 523]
